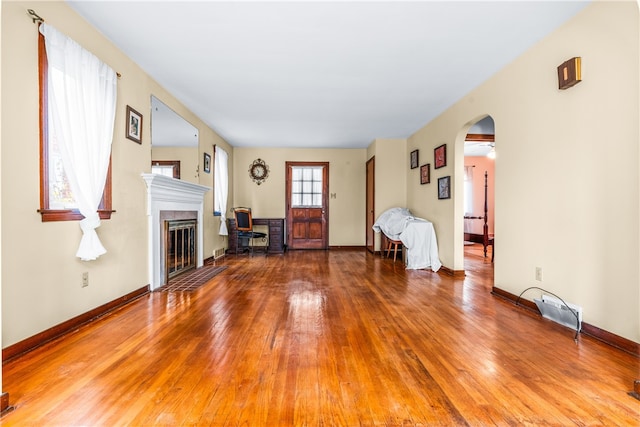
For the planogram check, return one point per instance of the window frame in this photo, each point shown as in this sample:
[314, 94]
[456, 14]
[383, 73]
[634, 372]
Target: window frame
[105, 209]
[175, 164]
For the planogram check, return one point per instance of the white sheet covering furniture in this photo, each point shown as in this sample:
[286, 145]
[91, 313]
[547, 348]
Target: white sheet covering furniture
[416, 234]
[419, 237]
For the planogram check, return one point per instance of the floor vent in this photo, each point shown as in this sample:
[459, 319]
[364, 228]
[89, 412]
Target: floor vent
[554, 309]
[218, 253]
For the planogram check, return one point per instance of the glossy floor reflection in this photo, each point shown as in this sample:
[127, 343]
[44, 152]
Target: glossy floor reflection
[339, 338]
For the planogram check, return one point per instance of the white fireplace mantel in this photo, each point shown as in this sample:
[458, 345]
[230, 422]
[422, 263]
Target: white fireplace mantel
[169, 194]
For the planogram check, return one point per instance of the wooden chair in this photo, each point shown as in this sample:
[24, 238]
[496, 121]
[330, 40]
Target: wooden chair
[395, 244]
[244, 227]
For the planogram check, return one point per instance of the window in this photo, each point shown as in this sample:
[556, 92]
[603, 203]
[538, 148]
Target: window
[57, 202]
[221, 187]
[306, 186]
[468, 190]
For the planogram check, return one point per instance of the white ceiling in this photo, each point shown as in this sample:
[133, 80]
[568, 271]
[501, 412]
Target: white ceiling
[322, 74]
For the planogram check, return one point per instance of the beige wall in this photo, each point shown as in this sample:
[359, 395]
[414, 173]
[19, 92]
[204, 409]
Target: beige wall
[41, 277]
[638, 180]
[392, 163]
[1, 388]
[567, 193]
[567, 182]
[346, 180]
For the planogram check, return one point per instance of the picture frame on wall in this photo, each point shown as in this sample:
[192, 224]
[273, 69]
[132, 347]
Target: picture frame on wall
[414, 159]
[134, 125]
[425, 174]
[440, 156]
[207, 163]
[444, 187]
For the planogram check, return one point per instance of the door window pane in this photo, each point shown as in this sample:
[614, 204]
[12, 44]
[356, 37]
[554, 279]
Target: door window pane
[306, 186]
[307, 174]
[317, 174]
[297, 174]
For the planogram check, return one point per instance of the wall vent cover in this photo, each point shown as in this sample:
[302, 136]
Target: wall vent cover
[555, 310]
[218, 253]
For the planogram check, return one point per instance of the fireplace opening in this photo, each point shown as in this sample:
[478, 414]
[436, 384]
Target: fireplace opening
[180, 246]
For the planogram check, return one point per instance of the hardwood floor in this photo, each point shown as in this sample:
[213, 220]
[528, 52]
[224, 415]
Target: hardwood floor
[324, 338]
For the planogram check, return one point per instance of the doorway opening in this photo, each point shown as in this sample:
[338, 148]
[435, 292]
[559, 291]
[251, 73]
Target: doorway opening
[307, 205]
[479, 194]
[370, 204]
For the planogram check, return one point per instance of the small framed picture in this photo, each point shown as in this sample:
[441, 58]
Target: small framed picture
[414, 159]
[425, 174]
[444, 187]
[207, 163]
[440, 156]
[134, 125]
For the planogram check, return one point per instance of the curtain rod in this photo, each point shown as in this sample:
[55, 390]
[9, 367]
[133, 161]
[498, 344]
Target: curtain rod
[36, 18]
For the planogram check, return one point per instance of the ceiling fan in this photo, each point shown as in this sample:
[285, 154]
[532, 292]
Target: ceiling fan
[480, 149]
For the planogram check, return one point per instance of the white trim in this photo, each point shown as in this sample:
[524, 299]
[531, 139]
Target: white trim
[169, 194]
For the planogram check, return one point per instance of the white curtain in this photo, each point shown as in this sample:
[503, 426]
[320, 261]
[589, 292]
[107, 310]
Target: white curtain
[82, 107]
[221, 188]
[468, 190]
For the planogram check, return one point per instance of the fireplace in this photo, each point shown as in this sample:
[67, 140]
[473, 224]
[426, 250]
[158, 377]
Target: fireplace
[179, 246]
[170, 199]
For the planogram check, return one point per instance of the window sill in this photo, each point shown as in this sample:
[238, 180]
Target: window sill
[49, 215]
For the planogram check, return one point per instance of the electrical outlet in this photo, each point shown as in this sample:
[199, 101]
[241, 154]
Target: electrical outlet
[85, 279]
[539, 274]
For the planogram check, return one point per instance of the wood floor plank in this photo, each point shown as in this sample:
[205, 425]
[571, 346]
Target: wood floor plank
[324, 338]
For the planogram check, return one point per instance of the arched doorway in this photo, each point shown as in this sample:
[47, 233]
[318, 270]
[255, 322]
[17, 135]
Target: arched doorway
[479, 195]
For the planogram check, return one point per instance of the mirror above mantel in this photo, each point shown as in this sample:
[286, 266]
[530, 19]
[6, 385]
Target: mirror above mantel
[174, 143]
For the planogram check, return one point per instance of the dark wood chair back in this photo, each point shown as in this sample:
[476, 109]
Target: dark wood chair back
[244, 222]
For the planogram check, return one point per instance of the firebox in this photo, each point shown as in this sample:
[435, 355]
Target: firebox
[180, 246]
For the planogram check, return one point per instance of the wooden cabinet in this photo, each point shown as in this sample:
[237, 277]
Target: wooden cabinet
[276, 233]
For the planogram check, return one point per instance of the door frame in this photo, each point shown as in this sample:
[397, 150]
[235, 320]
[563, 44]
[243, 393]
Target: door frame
[325, 200]
[370, 205]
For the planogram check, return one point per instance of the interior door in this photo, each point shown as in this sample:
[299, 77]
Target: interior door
[370, 214]
[307, 188]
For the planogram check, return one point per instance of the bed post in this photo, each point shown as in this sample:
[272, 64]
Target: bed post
[485, 228]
